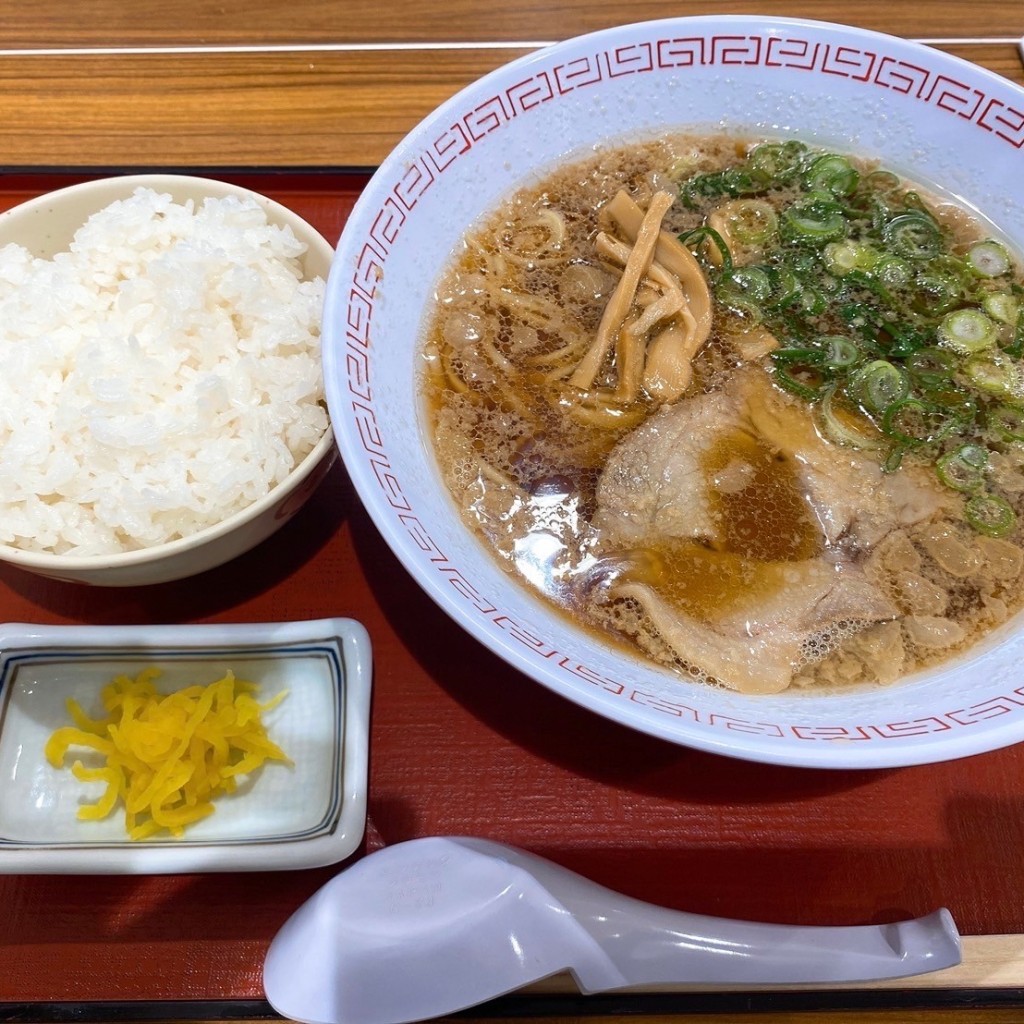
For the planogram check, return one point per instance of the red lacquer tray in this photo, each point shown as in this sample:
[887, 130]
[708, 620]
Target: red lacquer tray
[463, 744]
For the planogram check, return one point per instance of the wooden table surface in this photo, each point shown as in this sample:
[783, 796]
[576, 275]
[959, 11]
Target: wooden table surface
[331, 83]
[300, 99]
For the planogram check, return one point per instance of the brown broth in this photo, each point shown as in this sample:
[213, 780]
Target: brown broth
[766, 520]
[523, 463]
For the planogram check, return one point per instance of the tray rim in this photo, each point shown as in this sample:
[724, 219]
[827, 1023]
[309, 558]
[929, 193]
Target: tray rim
[990, 977]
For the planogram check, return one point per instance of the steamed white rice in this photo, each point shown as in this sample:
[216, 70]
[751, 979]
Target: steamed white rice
[161, 375]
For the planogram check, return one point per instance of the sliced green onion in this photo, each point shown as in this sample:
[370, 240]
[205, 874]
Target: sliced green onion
[793, 285]
[745, 290]
[974, 455]
[1006, 422]
[882, 181]
[841, 258]
[913, 201]
[963, 469]
[967, 331]
[936, 290]
[751, 221]
[812, 301]
[931, 367]
[989, 259]
[880, 212]
[776, 162]
[733, 181]
[786, 286]
[831, 173]
[893, 271]
[913, 422]
[799, 371]
[809, 389]
[793, 355]
[996, 373]
[751, 283]
[991, 515]
[913, 235]
[1016, 345]
[1001, 306]
[803, 263]
[860, 318]
[878, 385]
[894, 458]
[906, 338]
[813, 221]
[845, 425]
[840, 353]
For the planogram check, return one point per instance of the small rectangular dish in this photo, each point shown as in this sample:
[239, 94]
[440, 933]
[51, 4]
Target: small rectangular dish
[306, 813]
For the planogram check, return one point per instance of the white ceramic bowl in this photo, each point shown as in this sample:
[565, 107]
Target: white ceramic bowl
[45, 226]
[927, 114]
[283, 817]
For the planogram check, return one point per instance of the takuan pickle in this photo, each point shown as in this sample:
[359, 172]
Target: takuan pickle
[167, 757]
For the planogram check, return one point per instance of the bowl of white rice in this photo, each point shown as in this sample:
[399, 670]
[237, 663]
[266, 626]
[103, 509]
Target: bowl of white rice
[161, 390]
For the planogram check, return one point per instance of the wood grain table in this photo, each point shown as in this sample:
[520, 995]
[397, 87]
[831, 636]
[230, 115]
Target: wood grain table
[301, 99]
[330, 83]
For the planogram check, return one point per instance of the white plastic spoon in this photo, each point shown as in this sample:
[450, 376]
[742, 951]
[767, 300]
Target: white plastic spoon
[435, 925]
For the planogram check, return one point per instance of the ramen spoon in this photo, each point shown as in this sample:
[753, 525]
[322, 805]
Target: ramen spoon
[432, 926]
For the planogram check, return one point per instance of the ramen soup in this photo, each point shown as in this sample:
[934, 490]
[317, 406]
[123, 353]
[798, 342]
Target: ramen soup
[754, 410]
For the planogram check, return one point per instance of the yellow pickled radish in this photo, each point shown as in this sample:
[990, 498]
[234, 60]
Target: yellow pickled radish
[167, 756]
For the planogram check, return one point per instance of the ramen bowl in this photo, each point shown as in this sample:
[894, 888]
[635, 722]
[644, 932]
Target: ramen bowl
[45, 227]
[922, 113]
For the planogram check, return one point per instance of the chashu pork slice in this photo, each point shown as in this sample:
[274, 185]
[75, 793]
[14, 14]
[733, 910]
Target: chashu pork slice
[656, 487]
[760, 651]
[653, 484]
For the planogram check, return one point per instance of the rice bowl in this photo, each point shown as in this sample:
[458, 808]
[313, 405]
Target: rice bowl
[163, 394]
